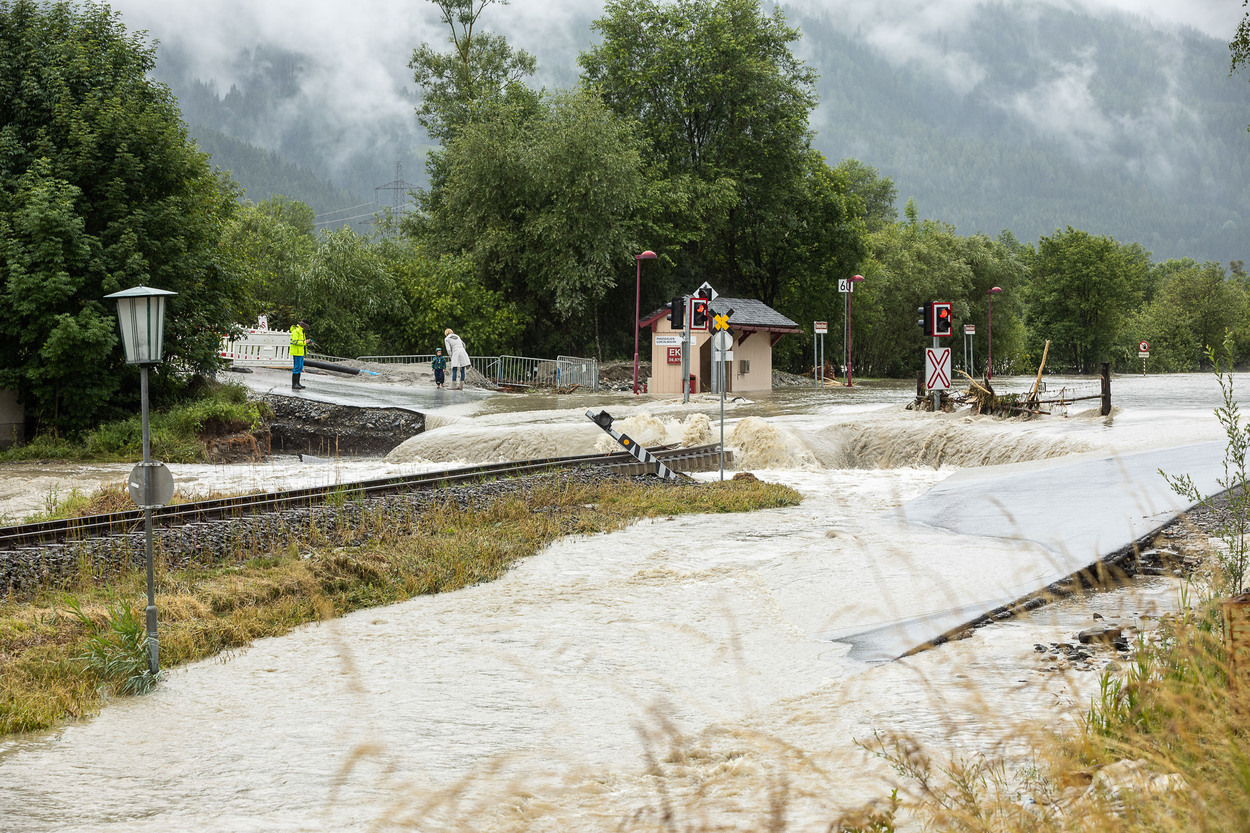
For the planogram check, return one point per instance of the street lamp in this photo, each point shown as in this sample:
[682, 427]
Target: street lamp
[141, 317]
[846, 323]
[647, 255]
[989, 332]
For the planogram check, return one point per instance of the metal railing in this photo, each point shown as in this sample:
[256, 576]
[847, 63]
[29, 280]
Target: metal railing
[420, 358]
[574, 370]
[526, 372]
[518, 371]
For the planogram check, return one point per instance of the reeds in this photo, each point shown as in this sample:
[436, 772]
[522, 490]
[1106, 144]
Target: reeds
[1162, 748]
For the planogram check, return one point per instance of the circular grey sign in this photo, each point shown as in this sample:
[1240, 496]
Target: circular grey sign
[160, 485]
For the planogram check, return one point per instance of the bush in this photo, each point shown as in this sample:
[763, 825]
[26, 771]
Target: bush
[175, 432]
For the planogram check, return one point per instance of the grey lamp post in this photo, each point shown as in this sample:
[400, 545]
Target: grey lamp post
[989, 331]
[647, 255]
[141, 316]
[846, 321]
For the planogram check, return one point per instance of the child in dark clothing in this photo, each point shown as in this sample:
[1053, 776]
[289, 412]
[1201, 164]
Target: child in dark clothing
[439, 364]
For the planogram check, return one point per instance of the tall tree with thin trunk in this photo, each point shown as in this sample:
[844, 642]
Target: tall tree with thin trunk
[481, 66]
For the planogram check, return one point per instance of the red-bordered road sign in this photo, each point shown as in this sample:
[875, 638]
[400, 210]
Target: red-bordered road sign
[937, 368]
[1143, 346]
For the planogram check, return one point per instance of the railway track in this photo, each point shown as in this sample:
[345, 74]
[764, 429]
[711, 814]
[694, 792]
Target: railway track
[21, 536]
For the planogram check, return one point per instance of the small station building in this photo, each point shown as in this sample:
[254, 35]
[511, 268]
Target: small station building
[756, 328]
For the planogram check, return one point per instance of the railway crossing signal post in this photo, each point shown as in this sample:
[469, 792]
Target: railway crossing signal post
[141, 317]
[937, 319]
[722, 358]
[604, 420]
[698, 317]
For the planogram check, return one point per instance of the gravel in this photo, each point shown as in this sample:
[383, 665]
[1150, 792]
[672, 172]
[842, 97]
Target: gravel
[211, 543]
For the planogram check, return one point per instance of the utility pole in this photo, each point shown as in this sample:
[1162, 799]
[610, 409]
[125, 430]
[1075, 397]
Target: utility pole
[398, 187]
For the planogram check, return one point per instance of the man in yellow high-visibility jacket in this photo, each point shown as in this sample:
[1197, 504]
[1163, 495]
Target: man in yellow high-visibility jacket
[298, 342]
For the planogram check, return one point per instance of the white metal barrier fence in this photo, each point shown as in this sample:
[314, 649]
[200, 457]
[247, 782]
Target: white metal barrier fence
[526, 372]
[518, 371]
[258, 348]
[478, 363]
[574, 370]
[270, 348]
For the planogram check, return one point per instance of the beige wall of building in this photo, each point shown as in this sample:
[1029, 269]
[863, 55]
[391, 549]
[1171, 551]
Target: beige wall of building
[755, 375]
[757, 354]
[665, 373]
[12, 419]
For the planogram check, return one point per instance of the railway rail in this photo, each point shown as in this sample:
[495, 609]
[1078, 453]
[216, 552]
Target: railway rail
[700, 458]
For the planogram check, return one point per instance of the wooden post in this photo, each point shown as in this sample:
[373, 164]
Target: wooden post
[1106, 389]
[920, 390]
[1237, 635]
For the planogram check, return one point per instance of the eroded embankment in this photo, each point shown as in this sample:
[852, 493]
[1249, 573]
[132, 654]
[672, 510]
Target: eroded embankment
[886, 439]
[305, 426]
[891, 440]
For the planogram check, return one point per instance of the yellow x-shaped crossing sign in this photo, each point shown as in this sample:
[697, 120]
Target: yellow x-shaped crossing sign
[721, 321]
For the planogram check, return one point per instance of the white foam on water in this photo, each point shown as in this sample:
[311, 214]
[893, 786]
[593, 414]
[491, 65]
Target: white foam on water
[463, 443]
[649, 430]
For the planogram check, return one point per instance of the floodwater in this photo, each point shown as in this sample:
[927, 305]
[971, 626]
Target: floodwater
[682, 666]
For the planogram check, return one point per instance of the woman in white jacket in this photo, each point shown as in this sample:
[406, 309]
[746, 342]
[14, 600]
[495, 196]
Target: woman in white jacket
[458, 357]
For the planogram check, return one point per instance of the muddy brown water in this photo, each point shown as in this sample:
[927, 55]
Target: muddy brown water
[535, 702]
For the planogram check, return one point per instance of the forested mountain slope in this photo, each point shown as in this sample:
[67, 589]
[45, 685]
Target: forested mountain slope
[1014, 116]
[1031, 123]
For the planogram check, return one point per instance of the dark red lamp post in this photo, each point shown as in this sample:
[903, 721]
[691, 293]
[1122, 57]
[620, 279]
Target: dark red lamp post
[647, 255]
[989, 332]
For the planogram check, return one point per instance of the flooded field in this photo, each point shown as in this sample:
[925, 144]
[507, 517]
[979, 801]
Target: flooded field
[686, 662]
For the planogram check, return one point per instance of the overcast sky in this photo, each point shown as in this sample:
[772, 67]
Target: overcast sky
[360, 50]
[373, 39]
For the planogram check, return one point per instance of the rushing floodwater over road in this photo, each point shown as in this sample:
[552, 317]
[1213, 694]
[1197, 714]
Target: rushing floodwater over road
[699, 644]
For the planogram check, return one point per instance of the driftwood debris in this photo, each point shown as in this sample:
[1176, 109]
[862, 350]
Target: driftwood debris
[1031, 400]
[984, 400]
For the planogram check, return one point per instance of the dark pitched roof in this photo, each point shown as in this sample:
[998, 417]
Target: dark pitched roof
[747, 312]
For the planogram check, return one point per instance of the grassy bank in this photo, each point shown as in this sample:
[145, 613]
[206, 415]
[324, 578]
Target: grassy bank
[1165, 745]
[178, 433]
[61, 654]
[1162, 748]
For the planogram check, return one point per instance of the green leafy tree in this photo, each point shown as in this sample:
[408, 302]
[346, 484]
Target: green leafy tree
[351, 297]
[917, 261]
[1195, 306]
[544, 203]
[480, 68]
[1239, 46]
[876, 193]
[723, 106]
[271, 246]
[1082, 292]
[446, 291]
[100, 189]
[827, 242]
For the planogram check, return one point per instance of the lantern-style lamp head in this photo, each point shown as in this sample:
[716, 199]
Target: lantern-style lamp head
[141, 316]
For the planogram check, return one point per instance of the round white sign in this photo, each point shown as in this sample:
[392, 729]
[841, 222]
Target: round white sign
[1143, 346]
